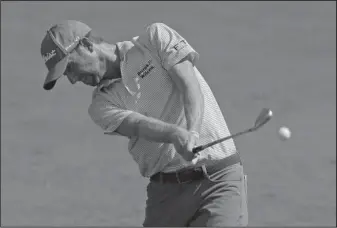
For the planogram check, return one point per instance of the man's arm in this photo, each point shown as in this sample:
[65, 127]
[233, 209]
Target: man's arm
[113, 118]
[155, 130]
[184, 77]
[148, 128]
[136, 124]
[178, 58]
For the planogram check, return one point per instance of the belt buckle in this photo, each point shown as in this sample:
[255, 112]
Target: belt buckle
[178, 179]
[161, 178]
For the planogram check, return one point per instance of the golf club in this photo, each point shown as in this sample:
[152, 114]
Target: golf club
[264, 116]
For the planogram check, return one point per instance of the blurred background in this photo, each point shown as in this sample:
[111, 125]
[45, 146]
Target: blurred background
[58, 169]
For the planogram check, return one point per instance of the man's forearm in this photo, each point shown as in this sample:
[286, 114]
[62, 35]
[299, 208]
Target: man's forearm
[153, 129]
[184, 77]
[194, 107]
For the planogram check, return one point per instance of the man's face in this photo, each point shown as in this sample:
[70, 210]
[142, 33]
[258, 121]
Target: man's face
[85, 66]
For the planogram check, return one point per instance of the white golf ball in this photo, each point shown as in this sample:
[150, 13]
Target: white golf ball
[284, 133]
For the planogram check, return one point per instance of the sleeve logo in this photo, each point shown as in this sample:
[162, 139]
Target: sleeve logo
[181, 44]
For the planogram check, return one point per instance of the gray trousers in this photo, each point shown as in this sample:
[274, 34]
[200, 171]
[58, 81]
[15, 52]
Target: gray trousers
[219, 199]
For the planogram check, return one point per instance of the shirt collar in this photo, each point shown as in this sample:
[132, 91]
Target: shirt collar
[122, 47]
[107, 82]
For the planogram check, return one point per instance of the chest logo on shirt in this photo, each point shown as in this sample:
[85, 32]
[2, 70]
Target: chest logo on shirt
[146, 69]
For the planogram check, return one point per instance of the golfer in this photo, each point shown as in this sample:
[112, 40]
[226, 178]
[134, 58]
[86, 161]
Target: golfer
[149, 90]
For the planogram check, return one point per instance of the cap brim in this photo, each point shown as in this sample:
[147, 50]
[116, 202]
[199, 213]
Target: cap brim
[55, 74]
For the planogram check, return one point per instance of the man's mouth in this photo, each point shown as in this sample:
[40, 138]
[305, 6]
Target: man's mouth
[91, 79]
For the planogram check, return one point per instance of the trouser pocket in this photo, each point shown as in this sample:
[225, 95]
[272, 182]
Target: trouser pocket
[231, 173]
[245, 186]
[244, 203]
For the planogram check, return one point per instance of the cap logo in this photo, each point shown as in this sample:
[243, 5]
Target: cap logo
[49, 55]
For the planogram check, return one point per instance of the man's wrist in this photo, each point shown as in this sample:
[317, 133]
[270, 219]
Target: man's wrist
[196, 134]
[174, 133]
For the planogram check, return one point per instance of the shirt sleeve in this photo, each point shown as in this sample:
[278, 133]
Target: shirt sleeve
[170, 45]
[107, 114]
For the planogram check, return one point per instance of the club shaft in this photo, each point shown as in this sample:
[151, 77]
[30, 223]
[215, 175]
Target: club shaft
[202, 147]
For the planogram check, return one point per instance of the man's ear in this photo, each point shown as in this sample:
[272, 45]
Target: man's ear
[88, 44]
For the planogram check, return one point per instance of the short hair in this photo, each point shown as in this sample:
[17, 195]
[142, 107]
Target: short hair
[93, 37]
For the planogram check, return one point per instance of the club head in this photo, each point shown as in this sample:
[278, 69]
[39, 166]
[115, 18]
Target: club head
[264, 116]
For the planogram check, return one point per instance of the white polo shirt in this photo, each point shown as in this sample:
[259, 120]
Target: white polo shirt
[146, 88]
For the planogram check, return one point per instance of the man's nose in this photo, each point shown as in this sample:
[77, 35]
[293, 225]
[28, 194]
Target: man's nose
[72, 78]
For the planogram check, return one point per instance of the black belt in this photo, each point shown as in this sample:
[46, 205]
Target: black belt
[192, 174]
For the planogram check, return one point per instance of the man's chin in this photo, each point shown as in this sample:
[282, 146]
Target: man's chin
[95, 81]
[94, 84]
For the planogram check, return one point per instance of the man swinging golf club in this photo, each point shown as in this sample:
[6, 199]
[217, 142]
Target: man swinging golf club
[149, 90]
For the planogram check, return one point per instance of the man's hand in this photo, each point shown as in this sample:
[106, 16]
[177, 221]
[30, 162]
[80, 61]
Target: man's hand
[184, 142]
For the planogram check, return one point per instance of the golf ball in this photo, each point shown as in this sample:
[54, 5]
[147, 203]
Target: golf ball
[284, 133]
